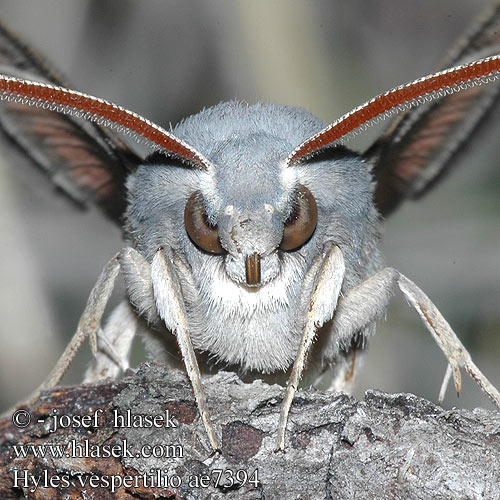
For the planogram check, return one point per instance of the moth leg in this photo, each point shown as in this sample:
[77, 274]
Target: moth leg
[136, 272]
[87, 326]
[367, 303]
[114, 344]
[444, 384]
[453, 349]
[121, 328]
[320, 310]
[345, 370]
[171, 308]
[107, 347]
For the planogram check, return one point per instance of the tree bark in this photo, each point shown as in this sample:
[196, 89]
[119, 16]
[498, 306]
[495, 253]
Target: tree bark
[385, 447]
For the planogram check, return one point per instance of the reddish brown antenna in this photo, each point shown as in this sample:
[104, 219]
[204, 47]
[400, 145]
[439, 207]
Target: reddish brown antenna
[397, 99]
[98, 110]
[111, 115]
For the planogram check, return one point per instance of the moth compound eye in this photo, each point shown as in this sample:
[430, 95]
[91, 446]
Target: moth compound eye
[302, 220]
[199, 229]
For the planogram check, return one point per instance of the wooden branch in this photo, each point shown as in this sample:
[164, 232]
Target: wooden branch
[387, 446]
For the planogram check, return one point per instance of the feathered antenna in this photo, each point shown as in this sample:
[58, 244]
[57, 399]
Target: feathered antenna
[113, 116]
[398, 99]
[105, 113]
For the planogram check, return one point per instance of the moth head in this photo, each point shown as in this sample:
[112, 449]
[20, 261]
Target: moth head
[248, 217]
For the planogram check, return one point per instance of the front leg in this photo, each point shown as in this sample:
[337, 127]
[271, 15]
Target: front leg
[368, 302]
[171, 308]
[320, 309]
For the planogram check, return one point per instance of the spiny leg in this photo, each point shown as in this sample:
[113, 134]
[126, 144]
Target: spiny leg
[87, 327]
[368, 302]
[114, 342]
[117, 337]
[453, 349]
[444, 384]
[320, 310]
[171, 308]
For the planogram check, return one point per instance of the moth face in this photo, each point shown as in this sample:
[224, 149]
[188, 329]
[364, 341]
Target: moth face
[250, 238]
[251, 216]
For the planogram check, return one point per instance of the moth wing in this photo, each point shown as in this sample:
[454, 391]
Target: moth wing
[86, 162]
[419, 147]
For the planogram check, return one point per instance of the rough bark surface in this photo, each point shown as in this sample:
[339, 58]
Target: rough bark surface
[385, 447]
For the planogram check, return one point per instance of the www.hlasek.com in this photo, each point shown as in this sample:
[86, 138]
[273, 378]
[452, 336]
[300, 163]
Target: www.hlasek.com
[85, 449]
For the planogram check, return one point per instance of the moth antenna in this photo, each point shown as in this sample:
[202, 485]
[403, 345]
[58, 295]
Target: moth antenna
[400, 98]
[105, 113]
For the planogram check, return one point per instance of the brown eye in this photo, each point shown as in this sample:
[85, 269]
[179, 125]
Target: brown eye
[302, 220]
[198, 227]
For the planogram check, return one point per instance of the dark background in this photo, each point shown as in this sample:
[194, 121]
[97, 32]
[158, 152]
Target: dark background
[168, 59]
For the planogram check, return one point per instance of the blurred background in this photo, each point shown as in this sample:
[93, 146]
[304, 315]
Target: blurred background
[168, 59]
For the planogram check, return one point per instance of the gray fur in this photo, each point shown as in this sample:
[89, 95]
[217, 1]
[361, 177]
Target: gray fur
[251, 328]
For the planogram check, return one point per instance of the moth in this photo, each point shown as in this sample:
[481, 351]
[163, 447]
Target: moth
[251, 231]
